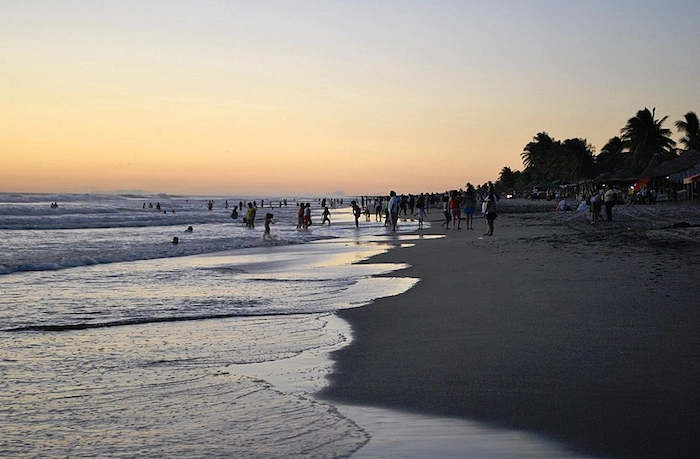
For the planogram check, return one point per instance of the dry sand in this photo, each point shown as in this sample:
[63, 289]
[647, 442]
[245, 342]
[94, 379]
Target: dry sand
[586, 334]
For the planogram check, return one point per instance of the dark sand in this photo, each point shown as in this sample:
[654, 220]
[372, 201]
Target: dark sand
[586, 334]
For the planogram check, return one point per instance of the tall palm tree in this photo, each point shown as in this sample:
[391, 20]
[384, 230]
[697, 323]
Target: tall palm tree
[691, 128]
[507, 179]
[645, 137]
[540, 155]
[611, 158]
[576, 161]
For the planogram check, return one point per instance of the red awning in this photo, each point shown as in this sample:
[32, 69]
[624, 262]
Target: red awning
[642, 183]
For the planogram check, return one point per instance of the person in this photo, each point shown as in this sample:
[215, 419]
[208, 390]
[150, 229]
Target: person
[356, 212]
[583, 206]
[421, 217]
[307, 215]
[268, 222]
[326, 216]
[300, 216]
[490, 214]
[446, 212]
[469, 206]
[562, 206]
[454, 206]
[176, 240]
[595, 207]
[393, 207]
[234, 214]
[189, 229]
[609, 200]
[250, 216]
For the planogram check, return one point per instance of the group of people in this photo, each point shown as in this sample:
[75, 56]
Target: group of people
[594, 203]
[456, 204]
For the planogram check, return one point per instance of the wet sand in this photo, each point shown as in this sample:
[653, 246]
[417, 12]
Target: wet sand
[584, 334]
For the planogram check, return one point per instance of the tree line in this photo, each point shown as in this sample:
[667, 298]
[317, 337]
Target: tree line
[643, 143]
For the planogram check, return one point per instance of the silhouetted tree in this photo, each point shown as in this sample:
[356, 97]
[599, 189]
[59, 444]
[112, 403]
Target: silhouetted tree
[541, 155]
[691, 128]
[611, 158]
[644, 137]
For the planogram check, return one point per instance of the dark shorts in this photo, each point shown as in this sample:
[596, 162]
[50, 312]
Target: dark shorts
[468, 211]
[491, 216]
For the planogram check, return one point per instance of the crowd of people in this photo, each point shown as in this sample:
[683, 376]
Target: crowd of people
[458, 206]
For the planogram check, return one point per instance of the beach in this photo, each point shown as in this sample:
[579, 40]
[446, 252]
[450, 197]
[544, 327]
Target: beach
[582, 334]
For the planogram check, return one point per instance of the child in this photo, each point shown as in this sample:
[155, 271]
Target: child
[268, 221]
[326, 216]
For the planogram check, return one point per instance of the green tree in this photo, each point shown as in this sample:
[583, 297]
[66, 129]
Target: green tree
[645, 137]
[691, 128]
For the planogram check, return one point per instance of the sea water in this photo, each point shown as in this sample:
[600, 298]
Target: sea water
[115, 342]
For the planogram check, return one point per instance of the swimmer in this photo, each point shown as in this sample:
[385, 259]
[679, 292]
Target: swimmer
[189, 229]
[176, 240]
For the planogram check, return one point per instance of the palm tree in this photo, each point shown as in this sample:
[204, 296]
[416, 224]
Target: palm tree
[507, 179]
[576, 161]
[540, 155]
[644, 138]
[691, 128]
[611, 158]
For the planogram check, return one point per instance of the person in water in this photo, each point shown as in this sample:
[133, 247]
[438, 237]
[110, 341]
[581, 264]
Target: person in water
[268, 222]
[250, 216]
[356, 212]
[326, 216]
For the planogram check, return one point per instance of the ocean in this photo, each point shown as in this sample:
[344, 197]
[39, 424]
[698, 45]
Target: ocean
[117, 342]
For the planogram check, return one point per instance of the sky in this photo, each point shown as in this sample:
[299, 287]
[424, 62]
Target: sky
[310, 98]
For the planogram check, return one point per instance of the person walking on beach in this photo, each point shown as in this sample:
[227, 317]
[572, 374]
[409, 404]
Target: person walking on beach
[446, 212]
[469, 206]
[393, 208]
[356, 212]
[453, 204]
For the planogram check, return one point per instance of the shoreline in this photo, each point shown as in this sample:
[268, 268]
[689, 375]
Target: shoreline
[583, 334]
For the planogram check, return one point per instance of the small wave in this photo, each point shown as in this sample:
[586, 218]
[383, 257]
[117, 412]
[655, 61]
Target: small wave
[140, 321]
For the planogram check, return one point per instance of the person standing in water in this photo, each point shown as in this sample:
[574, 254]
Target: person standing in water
[356, 212]
[268, 222]
[326, 216]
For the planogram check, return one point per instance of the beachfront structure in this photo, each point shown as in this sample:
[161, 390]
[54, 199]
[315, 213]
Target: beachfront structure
[683, 170]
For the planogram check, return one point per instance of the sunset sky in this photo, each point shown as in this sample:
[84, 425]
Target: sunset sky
[307, 98]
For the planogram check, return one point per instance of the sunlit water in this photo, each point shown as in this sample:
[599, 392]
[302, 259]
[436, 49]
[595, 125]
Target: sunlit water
[114, 342]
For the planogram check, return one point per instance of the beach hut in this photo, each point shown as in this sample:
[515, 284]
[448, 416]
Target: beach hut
[680, 172]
